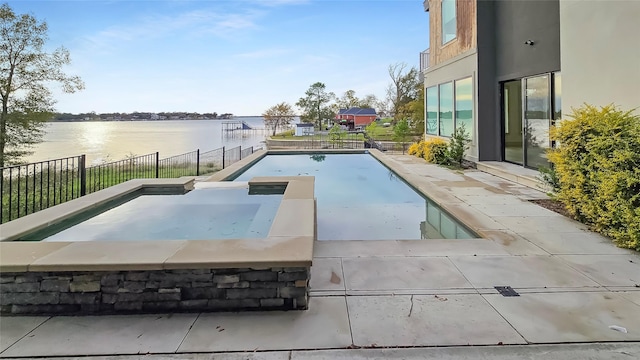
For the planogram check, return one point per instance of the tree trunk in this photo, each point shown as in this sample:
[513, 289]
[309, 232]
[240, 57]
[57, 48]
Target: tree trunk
[3, 130]
[4, 116]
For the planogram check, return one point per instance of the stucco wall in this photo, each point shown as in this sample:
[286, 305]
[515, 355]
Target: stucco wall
[458, 68]
[600, 53]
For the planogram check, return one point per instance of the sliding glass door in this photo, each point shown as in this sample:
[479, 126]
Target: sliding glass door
[537, 114]
[529, 106]
[512, 120]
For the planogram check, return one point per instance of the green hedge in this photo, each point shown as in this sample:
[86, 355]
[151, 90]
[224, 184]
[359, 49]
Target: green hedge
[597, 163]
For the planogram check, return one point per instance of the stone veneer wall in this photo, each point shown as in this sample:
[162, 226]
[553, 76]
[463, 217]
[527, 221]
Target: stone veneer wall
[109, 292]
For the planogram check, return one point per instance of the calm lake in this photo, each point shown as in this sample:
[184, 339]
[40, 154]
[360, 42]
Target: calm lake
[115, 140]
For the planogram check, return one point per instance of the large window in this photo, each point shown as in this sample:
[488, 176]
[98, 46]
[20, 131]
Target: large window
[446, 109]
[432, 110]
[464, 105]
[448, 20]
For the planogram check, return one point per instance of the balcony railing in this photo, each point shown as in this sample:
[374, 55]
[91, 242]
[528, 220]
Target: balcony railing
[424, 60]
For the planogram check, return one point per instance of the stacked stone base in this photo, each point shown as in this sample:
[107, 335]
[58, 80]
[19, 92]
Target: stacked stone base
[120, 292]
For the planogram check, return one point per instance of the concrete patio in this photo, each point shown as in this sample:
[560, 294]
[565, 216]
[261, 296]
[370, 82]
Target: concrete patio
[368, 295]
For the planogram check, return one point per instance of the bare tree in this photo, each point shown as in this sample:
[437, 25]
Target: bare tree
[278, 116]
[402, 89]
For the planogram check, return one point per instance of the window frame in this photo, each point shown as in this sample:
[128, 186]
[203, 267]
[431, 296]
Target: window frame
[442, 22]
[470, 131]
[426, 110]
[453, 109]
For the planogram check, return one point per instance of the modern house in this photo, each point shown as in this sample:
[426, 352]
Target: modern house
[495, 66]
[355, 117]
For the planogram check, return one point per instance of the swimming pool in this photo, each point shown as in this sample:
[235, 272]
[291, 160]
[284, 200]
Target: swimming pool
[203, 213]
[359, 198]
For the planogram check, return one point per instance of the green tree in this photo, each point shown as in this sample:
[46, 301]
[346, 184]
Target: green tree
[369, 101]
[26, 72]
[348, 100]
[403, 88]
[316, 105]
[414, 110]
[336, 135]
[402, 133]
[278, 116]
[458, 145]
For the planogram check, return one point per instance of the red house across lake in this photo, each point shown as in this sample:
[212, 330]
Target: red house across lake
[355, 117]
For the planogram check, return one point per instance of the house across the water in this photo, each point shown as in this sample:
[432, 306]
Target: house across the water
[356, 117]
[303, 129]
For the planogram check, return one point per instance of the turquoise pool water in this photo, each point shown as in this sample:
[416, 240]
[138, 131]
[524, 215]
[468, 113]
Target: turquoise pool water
[201, 214]
[361, 199]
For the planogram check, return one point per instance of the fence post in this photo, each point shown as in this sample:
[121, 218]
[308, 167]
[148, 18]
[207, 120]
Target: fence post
[240, 152]
[157, 164]
[83, 175]
[198, 162]
[223, 151]
[252, 149]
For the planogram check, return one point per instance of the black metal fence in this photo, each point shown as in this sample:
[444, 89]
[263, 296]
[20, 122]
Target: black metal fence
[231, 156]
[331, 141]
[29, 188]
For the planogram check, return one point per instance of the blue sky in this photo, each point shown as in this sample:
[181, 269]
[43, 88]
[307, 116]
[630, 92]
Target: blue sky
[239, 56]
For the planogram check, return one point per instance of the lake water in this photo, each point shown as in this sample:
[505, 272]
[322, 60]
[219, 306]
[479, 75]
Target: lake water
[115, 140]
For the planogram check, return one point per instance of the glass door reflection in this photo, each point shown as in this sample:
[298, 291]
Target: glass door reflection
[512, 117]
[537, 116]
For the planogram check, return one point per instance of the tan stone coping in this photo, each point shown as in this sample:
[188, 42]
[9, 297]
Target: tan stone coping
[473, 220]
[289, 243]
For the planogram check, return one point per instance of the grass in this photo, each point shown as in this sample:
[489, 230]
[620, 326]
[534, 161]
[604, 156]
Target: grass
[30, 193]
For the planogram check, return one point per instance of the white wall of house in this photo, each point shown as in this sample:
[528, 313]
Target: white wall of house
[460, 67]
[600, 53]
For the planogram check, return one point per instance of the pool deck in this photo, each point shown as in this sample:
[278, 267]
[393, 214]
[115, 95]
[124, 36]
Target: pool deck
[405, 299]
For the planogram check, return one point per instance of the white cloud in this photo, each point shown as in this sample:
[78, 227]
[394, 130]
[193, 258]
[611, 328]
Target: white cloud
[194, 23]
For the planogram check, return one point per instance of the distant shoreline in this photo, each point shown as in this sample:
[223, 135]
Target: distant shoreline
[148, 120]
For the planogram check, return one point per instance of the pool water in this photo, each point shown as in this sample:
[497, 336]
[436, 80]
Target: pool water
[201, 214]
[359, 198]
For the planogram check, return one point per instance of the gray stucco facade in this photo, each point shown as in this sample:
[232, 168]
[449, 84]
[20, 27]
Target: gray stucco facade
[462, 66]
[503, 29]
[501, 54]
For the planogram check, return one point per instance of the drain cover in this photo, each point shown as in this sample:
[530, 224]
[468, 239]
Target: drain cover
[506, 291]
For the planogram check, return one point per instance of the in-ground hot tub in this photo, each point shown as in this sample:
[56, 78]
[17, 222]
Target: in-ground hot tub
[92, 277]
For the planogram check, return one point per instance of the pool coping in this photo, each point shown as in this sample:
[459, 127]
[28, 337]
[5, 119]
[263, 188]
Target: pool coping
[288, 244]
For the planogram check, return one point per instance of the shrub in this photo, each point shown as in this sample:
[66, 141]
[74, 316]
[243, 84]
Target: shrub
[549, 176]
[414, 148]
[458, 145]
[436, 151]
[598, 170]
